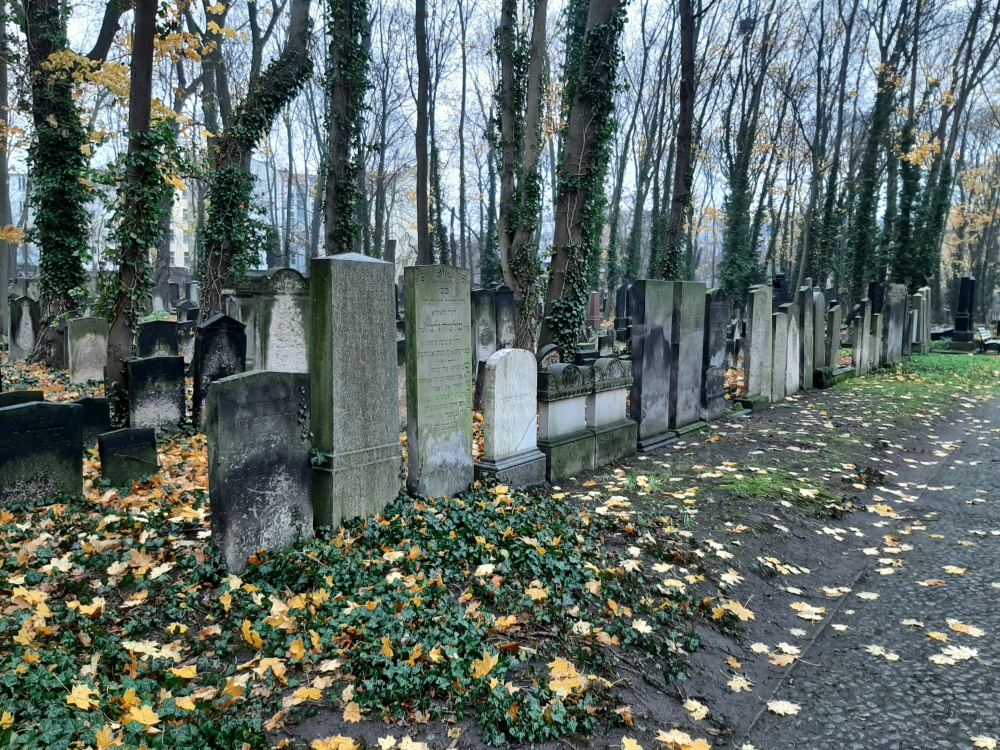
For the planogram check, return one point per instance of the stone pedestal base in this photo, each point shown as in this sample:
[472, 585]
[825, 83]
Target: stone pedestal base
[522, 470]
[756, 403]
[614, 442]
[824, 378]
[657, 441]
[693, 427]
[962, 346]
[568, 455]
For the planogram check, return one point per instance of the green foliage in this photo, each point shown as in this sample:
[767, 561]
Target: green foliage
[739, 267]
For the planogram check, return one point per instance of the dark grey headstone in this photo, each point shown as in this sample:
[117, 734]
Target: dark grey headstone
[259, 472]
[484, 325]
[220, 350]
[41, 452]
[649, 404]
[156, 392]
[964, 310]
[96, 417]
[25, 325]
[713, 379]
[158, 338]
[506, 312]
[14, 398]
[127, 455]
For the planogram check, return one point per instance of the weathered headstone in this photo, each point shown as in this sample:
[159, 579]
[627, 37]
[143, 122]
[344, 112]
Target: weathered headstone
[87, 347]
[283, 322]
[506, 312]
[623, 311]
[193, 292]
[925, 320]
[819, 329]
[355, 411]
[894, 323]
[687, 341]
[156, 392]
[439, 377]
[594, 318]
[187, 311]
[878, 333]
[614, 432]
[780, 290]
[804, 309]
[259, 471]
[510, 429]
[917, 322]
[158, 338]
[14, 398]
[962, 338]
[547, 356]
[484, 325]
[793, 366]
[41, 452]
[834, 319]
[758, 357]
[128, 455]
[96, 418]
[25, 324]
[779, 353]
[563, 436]
[220, 350]
[713, 362]
[649, 404]
[860, 338]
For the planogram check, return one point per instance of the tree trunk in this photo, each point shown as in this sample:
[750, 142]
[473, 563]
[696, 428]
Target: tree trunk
[423, 89]
[8, 250]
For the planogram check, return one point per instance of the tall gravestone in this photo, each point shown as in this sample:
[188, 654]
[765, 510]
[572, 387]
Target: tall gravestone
[506, 313]
[614, 432]
[687, 341]
[594, 317]
[925, 320]
[834, 319]
[917, 322]
[25, 324]
[623, 311]
[484, 326]
[220, 350]
[649, 405]
[355, 411]
[804, 309]
[757, 348]
[158, 338]
[156, 396]
[283, 322]
[793, 362]
[894, 323]
[259, 472]
[819, 329]
[861, 339]
[87, 347]
[713, 362]
[439, 379]
[962, 338]
[779, 353]
[878, 333]
[510, 428]
[41, 452]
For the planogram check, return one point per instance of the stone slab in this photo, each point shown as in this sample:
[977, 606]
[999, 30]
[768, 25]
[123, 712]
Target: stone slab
[127, 455]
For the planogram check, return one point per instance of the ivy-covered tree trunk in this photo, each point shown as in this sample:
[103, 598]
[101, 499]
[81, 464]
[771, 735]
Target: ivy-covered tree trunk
[424, 255]
[57, 161]
[347, 83]
[229, 230]
[137, 220]
[8, 248]
[579, 207]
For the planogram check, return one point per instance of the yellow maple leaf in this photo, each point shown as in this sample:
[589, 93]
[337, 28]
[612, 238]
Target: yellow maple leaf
[338, 742]
[629, 744]
[82, 696]
[6, 720]
[185, 673]
[352, 712]
[185, 703]
[144, 715]
[251, 636]
[296, 650]
[482, 667]
[564, 679]
[106, 738]
[387, 648]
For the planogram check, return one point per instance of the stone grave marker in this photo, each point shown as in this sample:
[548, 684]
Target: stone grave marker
[220, 350]
[87, 347]
[510, 429]
[623, 311]
[25, 325]
[128, 455]
[805, 310]
[187, 311]
[713, 362]
[353, 388]
[259, 471]
[439, 377]
[594, 318]
[506, 312]
[925, 319]
[758, 357]
[779, 353]
[41, 452]
[185, 340]
[283, 322]
[819, 329]
[793, 362]
[14, 398]
[614, 433]
[96, 418]
[894, 323]
[834, 320]
[877, 339]
[687, 341]
[962, 338]
[649, 403]
[484, 326]
[156, 392]
[158, 338]
[563, 436]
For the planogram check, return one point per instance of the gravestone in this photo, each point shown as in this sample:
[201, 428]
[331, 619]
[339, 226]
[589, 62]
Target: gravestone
[819, 329]
[187, 311]
[860, 338]
[779, 353]
[156, 392]
[623, 311]
[713, 362]
[594, 318]
[185, 340]
[807, 330]
[15, 398]
[563, 436]
[547, 356]
[962, 338]
[687, 341]
[484, 325]
[614, 432]
[41, 452]
[259, 471]
[649, 404]
[793, 366]
[878, 333]
[283, 322]
[510, 430]
[158, 338]
[174, 291]
[506, 313]
[917, 322]
[758, 358]
[780, 291]
[439, 376]
[353, 387]
[193, 292]
[128, 455]
[220, 350]
[894, 323]
[834, 320]
[96, 418]
[606, 343]
[925, 320]
[87, 347]
[25, 324]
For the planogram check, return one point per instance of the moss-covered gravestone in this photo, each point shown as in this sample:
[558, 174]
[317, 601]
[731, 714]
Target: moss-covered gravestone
[158, 338]
[41, 452]
[649, 403]
[87, 348]
[25, 322]
[713, 362]
[687, 345]
[563, 435]
[614, 433]
[758, 356]
[156, 392]
[220, 350]
[127, 455]
[283, 322]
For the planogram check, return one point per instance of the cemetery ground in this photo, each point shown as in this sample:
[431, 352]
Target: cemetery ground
[724, 590]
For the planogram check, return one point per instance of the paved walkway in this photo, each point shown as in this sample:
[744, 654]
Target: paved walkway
[853, 698]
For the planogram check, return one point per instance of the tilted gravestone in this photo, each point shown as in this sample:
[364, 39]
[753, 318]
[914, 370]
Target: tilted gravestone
[283, 322]
[563, 436]
[25, 325]
[506, 312]
[484, 326]
[14, 398]
[713, 361]
[220, 350]
[355, 411]
[259, 471]
[96, 417]
[41, 452]
[510, 431]
[687, 341]
[156, 392]
[158, 338]
[87, 347]
[758, 357]
[128, 455]
[649, 404]
[438, 379]
[779, 353]
[614, 433]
